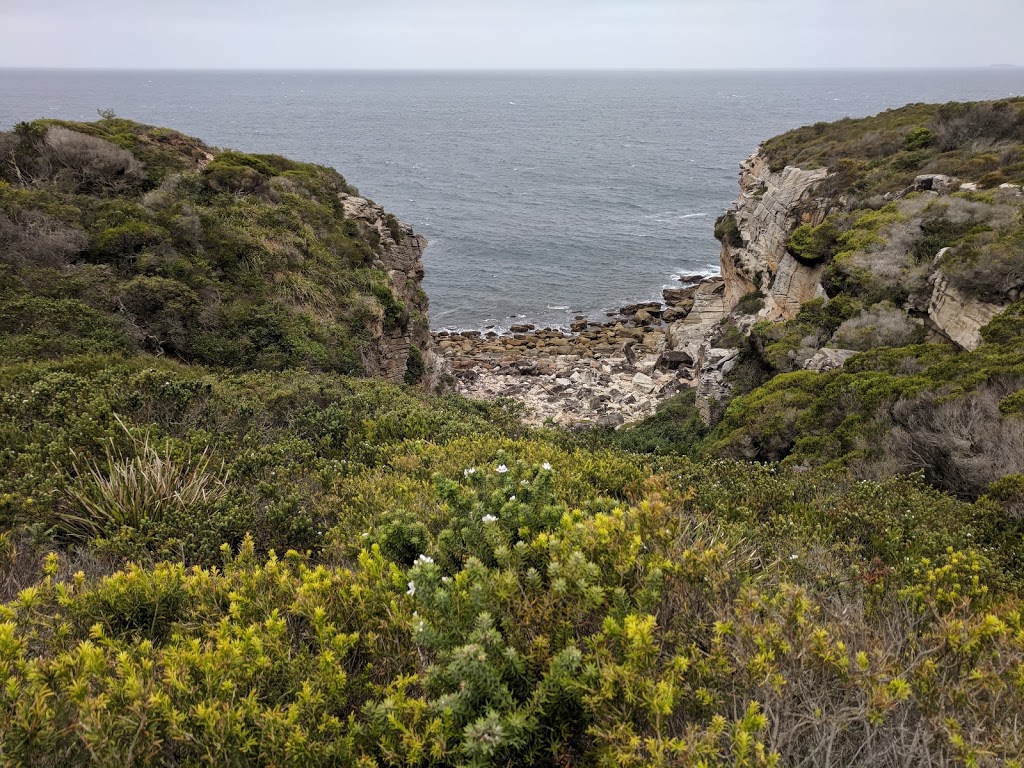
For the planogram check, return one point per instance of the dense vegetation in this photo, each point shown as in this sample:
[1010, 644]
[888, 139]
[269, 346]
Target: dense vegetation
[119, 237]
[981, 141]
[209, 560]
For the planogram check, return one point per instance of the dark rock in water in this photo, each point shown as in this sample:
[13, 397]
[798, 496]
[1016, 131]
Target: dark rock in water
[690, 279]
[578, 326]
[471, 334]
[525, 328]
[651, 307]
[674, 360]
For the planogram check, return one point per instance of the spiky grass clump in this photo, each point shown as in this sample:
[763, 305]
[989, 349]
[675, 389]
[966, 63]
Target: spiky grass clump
[135, 491]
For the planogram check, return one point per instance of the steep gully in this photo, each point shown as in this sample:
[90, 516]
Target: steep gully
[617, 371]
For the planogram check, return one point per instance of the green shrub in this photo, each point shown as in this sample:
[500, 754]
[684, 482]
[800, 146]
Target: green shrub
[919, 138]
[727, 231]
[812, 245]
[415, 367]
[751, 303]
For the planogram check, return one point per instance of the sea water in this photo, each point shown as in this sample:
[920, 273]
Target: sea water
[543, 195]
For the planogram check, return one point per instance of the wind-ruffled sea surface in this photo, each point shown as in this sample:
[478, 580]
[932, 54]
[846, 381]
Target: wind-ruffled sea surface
[543, 195]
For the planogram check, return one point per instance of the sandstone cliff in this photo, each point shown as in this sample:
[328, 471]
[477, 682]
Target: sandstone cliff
[956, 316]
[771, 205]
[401, 256]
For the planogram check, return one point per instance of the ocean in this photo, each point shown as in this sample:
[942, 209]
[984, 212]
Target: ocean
[543, 195]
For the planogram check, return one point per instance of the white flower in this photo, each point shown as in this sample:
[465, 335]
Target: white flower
[424, 559]
[412, 589]
[468, 472]
[364, 535]
[511, 498]
[502, 469]
[446, 580]
[489, 519]
[546, 466]
[793, 557]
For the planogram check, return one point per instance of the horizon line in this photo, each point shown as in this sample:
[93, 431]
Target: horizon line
[516, 70]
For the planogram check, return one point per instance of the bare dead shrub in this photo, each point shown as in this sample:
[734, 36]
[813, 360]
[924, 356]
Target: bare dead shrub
[961, 445]
[880, 326]
[32, 237]
[976, 126]
[87, 162]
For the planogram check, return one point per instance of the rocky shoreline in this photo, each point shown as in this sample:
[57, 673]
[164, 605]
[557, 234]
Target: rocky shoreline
[606, 373]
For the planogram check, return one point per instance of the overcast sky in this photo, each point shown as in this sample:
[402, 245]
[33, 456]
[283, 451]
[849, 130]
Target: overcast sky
[510, 34]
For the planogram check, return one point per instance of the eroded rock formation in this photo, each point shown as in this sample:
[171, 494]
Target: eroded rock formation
[401, 256]
[771, 205]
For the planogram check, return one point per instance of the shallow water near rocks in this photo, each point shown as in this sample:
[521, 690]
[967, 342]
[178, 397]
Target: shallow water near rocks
[544, 195]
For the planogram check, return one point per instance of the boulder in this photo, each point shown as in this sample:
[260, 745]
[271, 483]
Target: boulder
[959, 317]
[826, 360]
[936, 182]
[676, 296]
[643, 383]
[678, 312]
[673, 360]
[651, 307]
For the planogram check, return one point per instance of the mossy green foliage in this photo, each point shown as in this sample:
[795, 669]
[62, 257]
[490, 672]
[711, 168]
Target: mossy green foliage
[883, 153]
[811, 245]
[675, 430]
[843, 418]
[219, 258]
[727, 230]
[415, 366]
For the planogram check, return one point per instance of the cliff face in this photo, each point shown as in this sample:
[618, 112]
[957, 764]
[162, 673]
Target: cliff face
[402, 259]
[923, 251]
[956, 316]
[771, 205]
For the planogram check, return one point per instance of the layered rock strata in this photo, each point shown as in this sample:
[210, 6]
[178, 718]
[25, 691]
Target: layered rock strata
[955, 315]
[771, 205]
[401, 256]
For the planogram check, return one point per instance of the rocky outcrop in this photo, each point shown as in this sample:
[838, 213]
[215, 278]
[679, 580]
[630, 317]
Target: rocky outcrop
[608, 374]
[771, 205]
[401, 256]
[828, 359]
[794, 285]
[713, 366]
[956, 316]
[707, 308]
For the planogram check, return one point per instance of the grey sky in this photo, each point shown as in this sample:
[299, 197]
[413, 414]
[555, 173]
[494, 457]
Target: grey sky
[510, 34]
